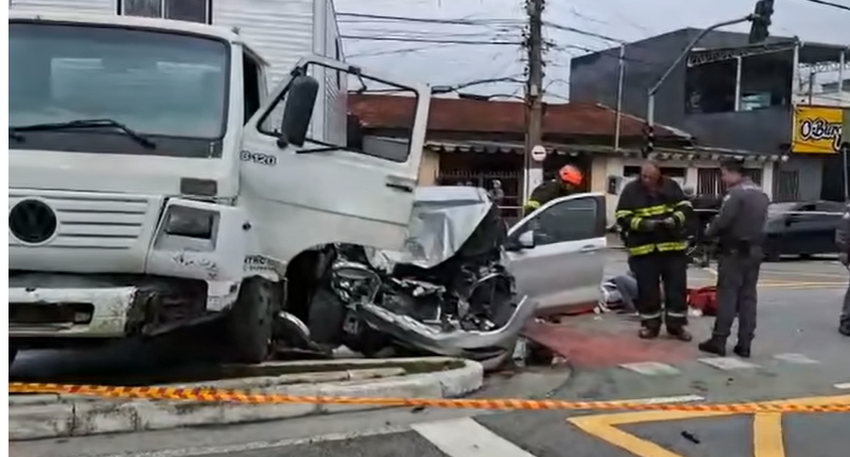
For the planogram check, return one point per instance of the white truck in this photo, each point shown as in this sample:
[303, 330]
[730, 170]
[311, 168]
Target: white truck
[155, 183]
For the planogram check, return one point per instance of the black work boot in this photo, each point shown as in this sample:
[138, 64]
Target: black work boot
[742, 350]
[844, 329]
[680, 333]
[714, 346]
[649, 332]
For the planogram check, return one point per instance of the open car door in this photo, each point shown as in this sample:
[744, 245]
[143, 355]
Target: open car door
[557, 253]
[303, 190]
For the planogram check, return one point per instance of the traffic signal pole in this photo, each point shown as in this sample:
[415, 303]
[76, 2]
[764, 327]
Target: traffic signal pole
[650, 105]
[758, 33]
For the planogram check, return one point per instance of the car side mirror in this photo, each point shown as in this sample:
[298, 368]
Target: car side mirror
[526, 240]
[298, 110]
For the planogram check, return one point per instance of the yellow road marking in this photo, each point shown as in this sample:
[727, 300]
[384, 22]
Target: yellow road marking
[767, 435]
[767, 427]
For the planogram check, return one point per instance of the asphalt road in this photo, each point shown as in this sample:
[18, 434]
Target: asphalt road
[798, 354]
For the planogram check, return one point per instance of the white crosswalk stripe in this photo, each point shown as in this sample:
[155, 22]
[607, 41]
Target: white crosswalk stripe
[467, 438]
[727, 363]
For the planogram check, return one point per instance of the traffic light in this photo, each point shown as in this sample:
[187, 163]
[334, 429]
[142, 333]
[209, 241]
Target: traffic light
[759, 29]
[649, 140]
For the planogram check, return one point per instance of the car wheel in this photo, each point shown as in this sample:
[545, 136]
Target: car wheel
[249, 323]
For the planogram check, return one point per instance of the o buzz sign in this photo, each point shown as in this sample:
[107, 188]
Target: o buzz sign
[538, 153]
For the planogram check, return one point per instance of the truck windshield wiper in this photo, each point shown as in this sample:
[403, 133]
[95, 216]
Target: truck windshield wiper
[86, 124]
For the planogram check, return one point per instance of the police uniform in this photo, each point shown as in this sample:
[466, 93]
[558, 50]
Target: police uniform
[545, 193]
[842, 239]
[657, 252]
[739, 227]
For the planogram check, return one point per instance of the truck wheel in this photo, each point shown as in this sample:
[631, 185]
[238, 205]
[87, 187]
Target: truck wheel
[249, 323]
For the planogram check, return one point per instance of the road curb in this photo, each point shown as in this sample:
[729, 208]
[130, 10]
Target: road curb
[34, 417]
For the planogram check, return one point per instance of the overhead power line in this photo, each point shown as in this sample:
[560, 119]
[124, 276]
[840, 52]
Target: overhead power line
[429, 40]
[583, 32]
[830, 4]
[431, 20]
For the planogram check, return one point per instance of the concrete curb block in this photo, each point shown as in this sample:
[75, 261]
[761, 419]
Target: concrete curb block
[53, 416]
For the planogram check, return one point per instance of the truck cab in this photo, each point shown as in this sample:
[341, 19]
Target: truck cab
[156, 182]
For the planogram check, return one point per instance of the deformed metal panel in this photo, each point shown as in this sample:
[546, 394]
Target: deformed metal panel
[65, 6]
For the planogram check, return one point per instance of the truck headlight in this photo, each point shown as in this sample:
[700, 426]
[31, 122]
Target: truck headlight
[190, 222]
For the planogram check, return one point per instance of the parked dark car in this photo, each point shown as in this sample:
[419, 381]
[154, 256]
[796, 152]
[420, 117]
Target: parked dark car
[799, 233]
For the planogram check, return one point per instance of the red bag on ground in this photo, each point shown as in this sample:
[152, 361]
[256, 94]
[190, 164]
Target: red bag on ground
[703, 299]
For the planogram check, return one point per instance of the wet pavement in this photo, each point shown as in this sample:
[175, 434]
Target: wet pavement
[798, 355]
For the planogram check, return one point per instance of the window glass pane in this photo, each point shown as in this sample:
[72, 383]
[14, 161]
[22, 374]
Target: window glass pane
[143, 8]
[156, 83]
[567, 221]
[186, 10]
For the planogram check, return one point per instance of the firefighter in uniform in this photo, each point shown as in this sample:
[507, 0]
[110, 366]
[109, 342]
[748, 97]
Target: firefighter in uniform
[653, 212]
[842, 239]
[567, 183]
[739, 229]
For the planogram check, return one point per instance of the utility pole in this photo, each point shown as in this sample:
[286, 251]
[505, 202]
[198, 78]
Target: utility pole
[534, 96]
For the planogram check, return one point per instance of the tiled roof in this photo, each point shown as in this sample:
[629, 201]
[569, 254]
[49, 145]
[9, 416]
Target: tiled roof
[504, 117]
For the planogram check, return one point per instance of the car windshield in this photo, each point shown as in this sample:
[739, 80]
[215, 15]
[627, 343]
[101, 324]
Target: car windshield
[156, 83]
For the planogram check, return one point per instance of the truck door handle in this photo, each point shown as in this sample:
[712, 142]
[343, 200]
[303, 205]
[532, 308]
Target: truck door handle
[401, 187]
[401, 184]
[588, 248]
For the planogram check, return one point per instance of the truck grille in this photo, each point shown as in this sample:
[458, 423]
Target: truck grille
[89, 221]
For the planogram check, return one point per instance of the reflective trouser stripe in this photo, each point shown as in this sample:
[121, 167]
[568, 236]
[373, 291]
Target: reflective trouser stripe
[635, 225]
[641, 250]
[660, 247]
[672, 246]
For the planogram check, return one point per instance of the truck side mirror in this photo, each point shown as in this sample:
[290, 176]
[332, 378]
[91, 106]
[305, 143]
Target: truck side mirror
[298, 110]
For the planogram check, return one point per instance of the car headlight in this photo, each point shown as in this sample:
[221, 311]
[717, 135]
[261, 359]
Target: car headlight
[190, 222]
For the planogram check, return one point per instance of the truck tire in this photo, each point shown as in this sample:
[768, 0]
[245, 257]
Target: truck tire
[249, 323]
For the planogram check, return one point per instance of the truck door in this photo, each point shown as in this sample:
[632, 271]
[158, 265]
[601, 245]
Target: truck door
[317, 192]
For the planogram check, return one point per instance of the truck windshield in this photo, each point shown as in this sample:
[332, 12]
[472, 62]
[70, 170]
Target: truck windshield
[156, 83]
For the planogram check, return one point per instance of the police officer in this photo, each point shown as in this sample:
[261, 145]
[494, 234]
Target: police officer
[842, 239]
[567, 183]
[653, 212]
[739, 228]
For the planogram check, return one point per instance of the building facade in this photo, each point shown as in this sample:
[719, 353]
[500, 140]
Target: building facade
[480, 142]
[729, 94]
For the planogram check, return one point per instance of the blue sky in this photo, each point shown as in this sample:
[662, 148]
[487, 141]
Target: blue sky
[501, 21]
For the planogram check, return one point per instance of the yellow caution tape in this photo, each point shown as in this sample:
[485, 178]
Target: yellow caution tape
[205, 394]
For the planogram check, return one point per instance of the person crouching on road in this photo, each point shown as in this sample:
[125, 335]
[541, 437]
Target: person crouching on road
[842, 239]
[567, 183]
[653, 211]
[739, 226]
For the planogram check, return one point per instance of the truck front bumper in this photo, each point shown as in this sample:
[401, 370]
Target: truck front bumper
[70, 312]
[46, 305]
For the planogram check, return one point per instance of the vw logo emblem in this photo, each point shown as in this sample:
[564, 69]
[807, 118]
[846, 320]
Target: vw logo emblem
[32, 221]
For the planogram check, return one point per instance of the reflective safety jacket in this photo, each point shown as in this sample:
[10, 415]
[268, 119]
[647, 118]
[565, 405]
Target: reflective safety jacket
[639, 205]
[544, 193]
